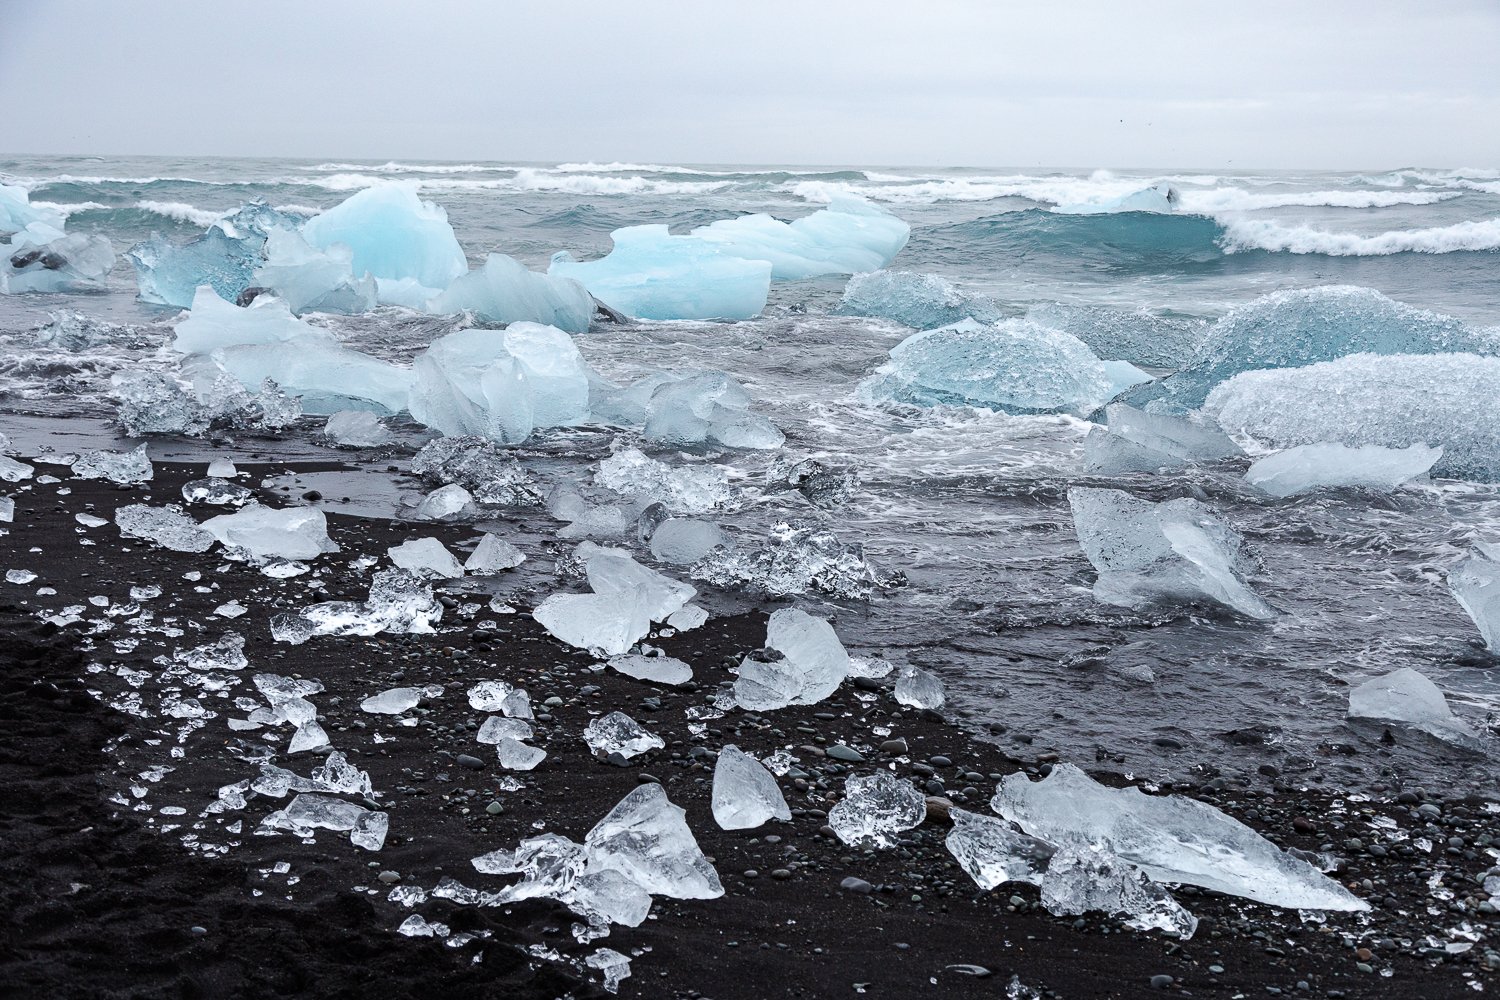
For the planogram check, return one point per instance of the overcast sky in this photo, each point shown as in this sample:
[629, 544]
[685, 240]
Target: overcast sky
[1312, 83]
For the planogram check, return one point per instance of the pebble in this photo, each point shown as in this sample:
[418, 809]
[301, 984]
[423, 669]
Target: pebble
[468, 760]
[1161, 982]
[848, 754]
[494, 809]
[859, 885]
[896, 746]
[389, 877]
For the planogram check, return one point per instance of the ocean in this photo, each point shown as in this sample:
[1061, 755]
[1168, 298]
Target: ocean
[969, 504]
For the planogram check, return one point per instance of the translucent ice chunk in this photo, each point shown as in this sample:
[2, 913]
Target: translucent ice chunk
[1137, 336]
[393, 234]
[992, 852]
[399, 603]
[1475, 582]
[1109, 454]
[445, 501]
[214, 323]
[709, 407]
[918, 688]
[811, 666]
[392, 702]
[610, 623]
[219, 492]
[651, 274]
[613, 571]
[875, 808]
[426, 557]
[356, 429]
[1085, 877]
[498, 696]
[478, 465]
[922, 301]
[225, 257]
[849, 236]
[127, 468]
[514, 755]
[328, 378]
[745, 795]
[12, 471]
[799, 557]
[498, 727]
[693, 489]
[42, 258]
[1330, 466]
[618, 733]
[1170, 838]
[503, 291]
[684, 541]
[265, 532]
[166, 526]
[1406, 696]
[646, 838]
[312, 280]
[689, 618]
[492, 555]
[614, 966]
[655, 669]
[17, 212]
[1190, 438]
[1156, 198]
[1151, 553]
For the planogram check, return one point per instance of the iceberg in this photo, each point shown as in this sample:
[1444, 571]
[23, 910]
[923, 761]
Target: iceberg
[1408, 697]
[745, 795]
[1014, 366]
[312, 280]
[326, 377]
[1154, 553]
[1191, 438]
[1295, 328]
[503, 291]
[1169, 838]
[875, 808]
[849, 236]
[1475, 582]
[920, 301]
[1334, 466]
[810, 664]
[1450, 401]
[393, 235]
[42, 258]
[266, 533]
[651, 274]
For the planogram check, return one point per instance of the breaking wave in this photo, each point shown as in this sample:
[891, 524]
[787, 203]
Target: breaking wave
[1264, 234]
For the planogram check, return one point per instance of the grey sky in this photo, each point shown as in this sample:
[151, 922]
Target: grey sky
[1315, 83]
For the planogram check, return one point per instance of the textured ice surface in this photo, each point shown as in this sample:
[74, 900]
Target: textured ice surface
[1193, 438]
[12, 471]
[289, 533]
[875, 808]
[797, 558]
[313, 280]
[426, 557]
[609, 623]
[918, 688]
[327, 377]
[42, 258]
[492, 555]
[1109, 454]
[646, 838]
[1475, 582]
[445, 502]
[499, 727]
[993, 852]
[220, 492]
[478, 465]
[498, 696]
[1406, 696]
[393, 235]
[1330, 466]
[1013, 365]
[1295, 328]
[1161, 553]
[694, 489]
[1139, 337]
[614, 966]
[392, 702]
[618, 733]
[745, 795]
[922, 301]
[1170, 838]
[710, 407]
[1449, 401]
[225, 257]
[356, 429]
[513, 755]
[1084, 877]
[811, 666]
[849, 236]
[128, 468]
[684, 540]
[166, 526]
[202, 396]
[399, 603]
[503, 291]
[651, 274]
[310, 811]
[656, 669]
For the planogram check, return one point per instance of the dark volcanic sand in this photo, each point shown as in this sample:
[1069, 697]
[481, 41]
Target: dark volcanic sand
[98, 901]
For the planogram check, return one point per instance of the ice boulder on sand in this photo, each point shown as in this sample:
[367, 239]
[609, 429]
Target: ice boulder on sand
[875, 808]
[267, 533]
[42, 258]
[745, 795]
[1476, 584]
[627, 597]
[1168, 837]
[426, 557]
[651, 274]
[1161, 553]
[393, 235]
[849, 236]
[503, 291]
[1447, 401]
[805, 664]
[1407, 697]
[1331, 466]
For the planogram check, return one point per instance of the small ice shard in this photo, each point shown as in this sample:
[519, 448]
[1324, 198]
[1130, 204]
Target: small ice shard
[479, 466]
[1409, 697]
[745, 795]
[167, 526]
[683, 541]
[651, 274]
[128, 468]
[655, 669]
[492, 555]
[498, 727]
[370, 830]
[618, 733]
[19, 576]
[399, 603]
[228, 653]
[875, 808]
[498, 696]
[42, 258]
[219, 492]
[614, 966]
[393, 235]
[1169, 837]
[689, 618]
[356, 429]
[992, 852]
[445, 501]
[266, 532]
[517, 756]
[811, 666]
[1475, 582]
[1084, 877]
[417, 925]
[336, 774]
[711, 407]
[646, 838]
[12, 471]
[797, 557]
[851, 235]
[222, 468]
[918, 688]
[1333, 466]
[392, 702]
[503, 291]
[426, 557]
[1014, 366]
[682, 490]
[308, 736]
[1151, 553]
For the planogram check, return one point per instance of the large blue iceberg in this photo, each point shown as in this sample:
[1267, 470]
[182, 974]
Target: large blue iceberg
[224, 258]
[394, 235]
[849, 236]
[313, 280]
[503, 291]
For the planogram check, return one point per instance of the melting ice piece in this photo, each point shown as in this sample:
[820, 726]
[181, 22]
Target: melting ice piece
[17, 212]
[265, 532]
[1014, 366]
[517, 756]
[12, 471]
[684, 541]
[651, 274]
[1446, 400]
[312, 280]
[394, 235]
[618, 733]
[709, 407]
[1406, 696]
[503, 291]
[745, 795]
[8, 510]
[799, 557]
[614, 966]
[919, 688]
[166, 526]
[689, 618]
[1475, 582]
[492, 555]
[1110, 454]
[356, 429]
[693, 489]
[875, 808]
[392, 702]
[498, 727]
[1170, 838]
[1150, 553]
[992, 852]
[812, 664]
[426, 557]
[645, 838]
[627, 598]
[224, 257]
[1137, 336]
[1331, 466]
[228, 653]
[399, 603]
[326, 377]
[127, 468]
[219, 492]
[1157, 198]
[42, 258]
[922, 301]
[445, 501]
[498, 696]
[655, 669]
[214, 324]
[1188, 438]
[1295, 328]
[222, 468]
[479, 466]
[310, 811]
[1085, 877]
[849, 236]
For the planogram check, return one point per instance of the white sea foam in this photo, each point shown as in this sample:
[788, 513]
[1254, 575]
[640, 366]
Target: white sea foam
[528, 179]
[182, 212]
[1220, 200]
[70, 208]
[1264, 234]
